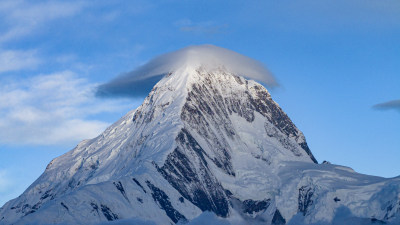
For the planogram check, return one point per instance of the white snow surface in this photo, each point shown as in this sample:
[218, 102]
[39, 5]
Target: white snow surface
[207, 56]
[83, 186]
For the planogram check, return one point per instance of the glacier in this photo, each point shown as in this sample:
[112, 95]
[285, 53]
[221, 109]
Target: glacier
[207, 144]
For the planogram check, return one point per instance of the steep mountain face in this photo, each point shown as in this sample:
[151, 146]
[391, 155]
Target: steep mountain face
[203, 140]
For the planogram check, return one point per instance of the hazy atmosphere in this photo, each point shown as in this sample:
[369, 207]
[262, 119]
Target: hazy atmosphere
[333, 67]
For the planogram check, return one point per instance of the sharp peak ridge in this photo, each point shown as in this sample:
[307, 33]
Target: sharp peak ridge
[176, 85]
[191, 73]
[208, 57]
[138, 82]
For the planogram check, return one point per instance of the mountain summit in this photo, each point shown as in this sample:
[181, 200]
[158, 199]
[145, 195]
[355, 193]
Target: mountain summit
[140, 81]
[204, 139]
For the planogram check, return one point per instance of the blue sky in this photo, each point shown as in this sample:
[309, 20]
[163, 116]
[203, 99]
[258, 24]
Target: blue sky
[334, 60]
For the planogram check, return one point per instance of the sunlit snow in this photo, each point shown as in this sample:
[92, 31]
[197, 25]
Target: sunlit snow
[140, 81]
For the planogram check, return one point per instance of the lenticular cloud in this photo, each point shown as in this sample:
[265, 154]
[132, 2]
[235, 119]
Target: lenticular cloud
[395, 104]
[139, 82]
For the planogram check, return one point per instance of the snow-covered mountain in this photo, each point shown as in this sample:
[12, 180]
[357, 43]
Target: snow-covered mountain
[204, 139]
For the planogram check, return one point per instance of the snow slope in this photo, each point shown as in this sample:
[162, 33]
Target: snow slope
[205, 139]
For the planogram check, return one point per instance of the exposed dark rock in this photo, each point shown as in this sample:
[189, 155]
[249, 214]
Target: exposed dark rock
[389, 210]
[206, 116]
[94, 166]
[29, 212]
[46, 195]
[278, 219]
[305, 199]
[36, 206]
[26, 209]
[273, 132]
[251, 206]
[138, 183]
[304, 145]
[376, 221]
[65, 206]
[264, 105]
[119, 186]
[205, 106]
[184, 175]
[336, 199]
[163, 201]
[110, 216]
[228, 193]
[95, 208]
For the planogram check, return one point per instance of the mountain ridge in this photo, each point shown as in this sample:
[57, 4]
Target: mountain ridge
[203, 140]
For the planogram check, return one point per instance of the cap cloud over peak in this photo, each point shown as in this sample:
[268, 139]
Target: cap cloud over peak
[139, 82]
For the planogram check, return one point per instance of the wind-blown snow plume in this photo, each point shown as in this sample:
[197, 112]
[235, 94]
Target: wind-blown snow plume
[139, 82]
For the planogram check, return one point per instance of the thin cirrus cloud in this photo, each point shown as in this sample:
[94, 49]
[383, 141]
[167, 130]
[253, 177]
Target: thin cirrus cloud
[139, 82]
[14, 60]
[21, 18]
[395, 104]
[50, 110]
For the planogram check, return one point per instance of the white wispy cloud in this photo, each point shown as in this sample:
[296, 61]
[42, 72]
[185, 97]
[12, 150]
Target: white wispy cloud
[13, 60]
[51, 109]
[139, 82]
[20, 19]
[23, 17]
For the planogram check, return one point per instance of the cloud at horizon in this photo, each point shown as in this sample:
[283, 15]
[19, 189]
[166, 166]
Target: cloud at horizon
[139, 82]
[390, 105]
